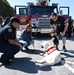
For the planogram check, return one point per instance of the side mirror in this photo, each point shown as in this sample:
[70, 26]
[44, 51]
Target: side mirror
[61, 12]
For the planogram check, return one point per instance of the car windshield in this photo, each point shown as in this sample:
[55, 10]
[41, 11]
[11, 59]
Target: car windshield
[22, 11]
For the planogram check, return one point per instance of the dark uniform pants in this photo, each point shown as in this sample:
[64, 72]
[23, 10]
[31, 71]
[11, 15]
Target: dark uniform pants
[8, 50]
[69, 31]
[60, 29]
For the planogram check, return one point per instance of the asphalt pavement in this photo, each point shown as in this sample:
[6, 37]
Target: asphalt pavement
[24, 64]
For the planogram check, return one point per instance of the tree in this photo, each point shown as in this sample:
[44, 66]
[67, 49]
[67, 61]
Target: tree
[5, 9]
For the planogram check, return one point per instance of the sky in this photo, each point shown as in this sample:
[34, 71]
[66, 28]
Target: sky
[69, 3]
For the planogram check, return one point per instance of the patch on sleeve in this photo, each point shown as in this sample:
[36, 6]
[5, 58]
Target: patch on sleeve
[9, 30]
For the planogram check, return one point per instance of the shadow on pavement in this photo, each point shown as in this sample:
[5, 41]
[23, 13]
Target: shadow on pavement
[72, 38]
[68, 54]
[71, 51]
[31, 51]
[58, 64]
[26, 65]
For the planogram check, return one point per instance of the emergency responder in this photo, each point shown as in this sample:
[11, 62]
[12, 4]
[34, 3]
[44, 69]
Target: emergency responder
[61, 26]
[8, 44]
[69, 31]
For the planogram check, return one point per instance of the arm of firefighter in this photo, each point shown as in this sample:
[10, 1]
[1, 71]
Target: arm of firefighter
[14, 42]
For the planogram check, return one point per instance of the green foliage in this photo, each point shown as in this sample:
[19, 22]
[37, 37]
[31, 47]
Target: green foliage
[5, 9]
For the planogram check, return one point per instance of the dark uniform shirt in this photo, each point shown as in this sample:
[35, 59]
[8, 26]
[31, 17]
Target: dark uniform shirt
[7, 32]
[60, 22]
[70, 21]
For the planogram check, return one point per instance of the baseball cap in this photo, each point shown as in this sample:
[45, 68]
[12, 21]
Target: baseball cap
[14, 19]
[54, 14]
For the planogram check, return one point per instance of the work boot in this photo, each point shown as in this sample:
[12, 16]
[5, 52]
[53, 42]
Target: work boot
[5, 62]
[64, 49]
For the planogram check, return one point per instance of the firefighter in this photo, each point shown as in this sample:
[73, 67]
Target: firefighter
[8, 44]
[61, 27]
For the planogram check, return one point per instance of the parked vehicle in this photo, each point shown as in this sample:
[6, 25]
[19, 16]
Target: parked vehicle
[38, 15]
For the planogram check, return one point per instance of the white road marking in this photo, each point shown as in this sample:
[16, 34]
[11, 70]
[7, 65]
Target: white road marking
[65, 63]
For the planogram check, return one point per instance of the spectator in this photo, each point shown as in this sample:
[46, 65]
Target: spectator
[26, 37]
[8, 44]
[61, 26]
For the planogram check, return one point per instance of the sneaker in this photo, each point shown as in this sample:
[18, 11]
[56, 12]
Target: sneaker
[64, 49]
